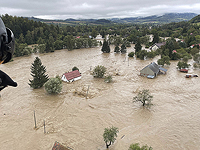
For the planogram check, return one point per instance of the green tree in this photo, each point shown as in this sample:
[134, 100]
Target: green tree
[99, 71]
[21, 39]
[75, 68]
[137, 147]
[123, 48]
[194, 51]
[182, 65]
[138, 46]
[109, 135]
[144, 97]
[69, 42]
[53, 85]
[38, 73]
[94, 33]
[117, 49]
[108, 79]
[28, 38]
[185, 59]
[151, 54]
[141, 54]
[105, 48]
[155, 38]
[196, 58]
[40, 41]
[131, 54]
[58, 44]
[26, 51]
[164, 60]
[41, 48]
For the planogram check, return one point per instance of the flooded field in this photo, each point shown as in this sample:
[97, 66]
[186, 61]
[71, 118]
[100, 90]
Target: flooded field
[172, 123]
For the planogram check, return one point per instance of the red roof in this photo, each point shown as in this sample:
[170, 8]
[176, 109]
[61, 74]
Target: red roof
[72, 75]
[58, 146]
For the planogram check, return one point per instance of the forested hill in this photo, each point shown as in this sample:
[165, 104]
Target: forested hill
[163, 19]
[195, 19]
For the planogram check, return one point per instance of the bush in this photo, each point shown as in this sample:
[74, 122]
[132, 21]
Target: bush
[99, 71]
[137, 147]
[117, 49]
[75, 68]
[131, 54]
[53, 85]
[108, 79]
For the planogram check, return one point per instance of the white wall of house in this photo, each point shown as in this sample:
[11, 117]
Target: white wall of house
[65, 79]
[154, 48]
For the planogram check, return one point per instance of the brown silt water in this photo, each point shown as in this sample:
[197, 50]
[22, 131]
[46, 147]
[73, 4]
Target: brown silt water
[172, 123]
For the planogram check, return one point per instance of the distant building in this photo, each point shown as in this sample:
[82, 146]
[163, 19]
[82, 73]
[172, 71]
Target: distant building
[71, 76]
[156, 46]
[152, 70]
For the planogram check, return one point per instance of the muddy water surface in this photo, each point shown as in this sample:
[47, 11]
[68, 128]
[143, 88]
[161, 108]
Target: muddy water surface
[172, 123]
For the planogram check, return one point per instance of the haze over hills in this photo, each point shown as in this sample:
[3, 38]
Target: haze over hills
[162, 19]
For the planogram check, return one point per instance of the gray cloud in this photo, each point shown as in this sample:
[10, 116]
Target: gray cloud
[63, 9]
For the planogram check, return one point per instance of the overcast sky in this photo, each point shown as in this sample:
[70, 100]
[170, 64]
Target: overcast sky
[95, 9]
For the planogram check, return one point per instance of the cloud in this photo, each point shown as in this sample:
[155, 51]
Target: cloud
[63, 9]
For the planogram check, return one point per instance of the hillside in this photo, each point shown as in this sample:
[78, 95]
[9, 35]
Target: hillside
[166, 18]
[163, 19]
[195, 19]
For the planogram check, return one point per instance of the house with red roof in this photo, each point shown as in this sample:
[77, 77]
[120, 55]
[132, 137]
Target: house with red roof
[71, 76]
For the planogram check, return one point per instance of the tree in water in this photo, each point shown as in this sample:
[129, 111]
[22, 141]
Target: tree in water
[164, 60]
[75, 68]
[99, 71]
[38, 73]
[109, 135]
[138, 46]
[144, 97]
[137, 147]
[123, 48]
[105, 48]
[117, 49]
[53, 85]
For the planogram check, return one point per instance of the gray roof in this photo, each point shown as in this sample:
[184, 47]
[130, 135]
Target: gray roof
[154, 67]
[158, 44]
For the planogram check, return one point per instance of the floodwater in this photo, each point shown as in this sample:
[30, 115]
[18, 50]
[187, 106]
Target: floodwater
[172, 123]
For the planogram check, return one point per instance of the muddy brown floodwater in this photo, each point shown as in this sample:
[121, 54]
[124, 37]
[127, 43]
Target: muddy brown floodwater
[172, 123]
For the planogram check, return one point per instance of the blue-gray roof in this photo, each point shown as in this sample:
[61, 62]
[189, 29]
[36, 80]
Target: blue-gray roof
[163, 69]
[154, 67]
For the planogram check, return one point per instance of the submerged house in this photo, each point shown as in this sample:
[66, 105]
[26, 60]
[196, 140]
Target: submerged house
[58, 146]
[71, 76]
[152, 70]
[156, 46]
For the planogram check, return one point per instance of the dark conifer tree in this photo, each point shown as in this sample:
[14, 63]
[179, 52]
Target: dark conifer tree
[105, 48]
[123, 48]
[138, 46]
[38, 73]
[155, 38]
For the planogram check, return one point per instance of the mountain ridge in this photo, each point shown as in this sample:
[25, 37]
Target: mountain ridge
[154, 19]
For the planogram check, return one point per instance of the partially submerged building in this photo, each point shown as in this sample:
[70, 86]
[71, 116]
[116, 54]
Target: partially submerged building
[58, 146]
[152, 70]
[71, 76]
[156, 46]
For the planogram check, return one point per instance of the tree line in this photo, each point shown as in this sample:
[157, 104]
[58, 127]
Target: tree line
[51, 37]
